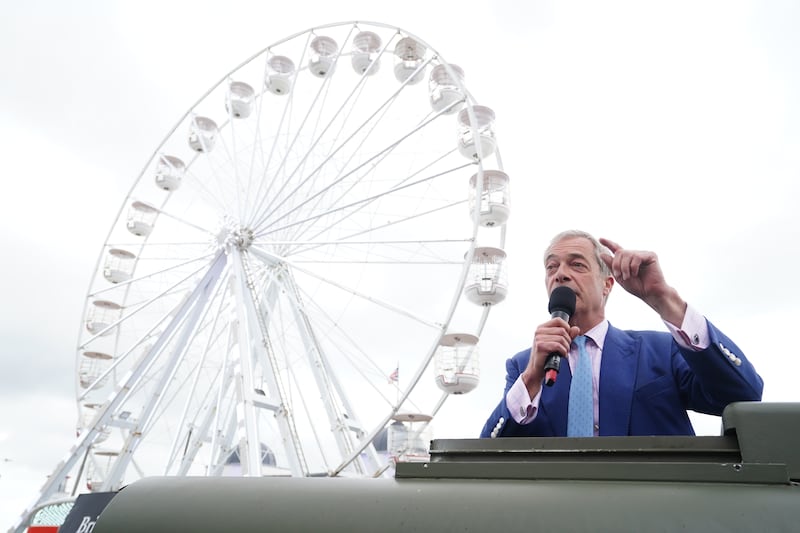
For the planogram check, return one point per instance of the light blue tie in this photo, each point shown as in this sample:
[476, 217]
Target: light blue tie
[580, 417]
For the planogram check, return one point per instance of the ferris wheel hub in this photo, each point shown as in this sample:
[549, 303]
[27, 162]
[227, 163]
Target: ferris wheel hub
[234, 235]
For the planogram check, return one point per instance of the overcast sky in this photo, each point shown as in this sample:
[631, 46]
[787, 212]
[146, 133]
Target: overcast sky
[671, 126]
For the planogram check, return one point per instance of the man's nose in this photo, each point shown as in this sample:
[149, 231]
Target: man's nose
[561, 275]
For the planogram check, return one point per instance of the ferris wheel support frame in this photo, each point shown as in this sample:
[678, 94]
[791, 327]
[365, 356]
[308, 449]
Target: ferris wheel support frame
[195, 303]
[247, 316]
[319, 364]
[323, 378]
[84, 441]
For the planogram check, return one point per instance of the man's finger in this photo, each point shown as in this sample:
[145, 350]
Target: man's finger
[611, 245]
[636, 263]
[625, 268]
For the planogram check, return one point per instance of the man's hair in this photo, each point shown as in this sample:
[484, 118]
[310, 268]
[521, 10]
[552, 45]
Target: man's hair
[598, 248]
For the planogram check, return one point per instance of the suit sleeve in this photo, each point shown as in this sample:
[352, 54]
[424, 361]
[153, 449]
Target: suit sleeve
[710, 379]
[500, 423]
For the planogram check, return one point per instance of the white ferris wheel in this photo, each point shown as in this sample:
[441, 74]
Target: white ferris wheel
[331, 212]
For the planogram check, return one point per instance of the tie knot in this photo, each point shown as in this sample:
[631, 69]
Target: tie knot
[580, 341]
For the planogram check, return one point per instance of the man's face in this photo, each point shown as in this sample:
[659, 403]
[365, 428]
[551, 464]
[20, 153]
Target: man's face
[572, 262]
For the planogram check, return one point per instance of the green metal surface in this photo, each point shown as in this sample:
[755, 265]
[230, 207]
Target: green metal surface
[745, 480]
[446, 505]
[766, 433]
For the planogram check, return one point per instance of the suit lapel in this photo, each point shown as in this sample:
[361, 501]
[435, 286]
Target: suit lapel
[554, 400]
[618, 369]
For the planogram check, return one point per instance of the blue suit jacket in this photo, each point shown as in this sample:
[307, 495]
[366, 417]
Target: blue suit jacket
[647, 382]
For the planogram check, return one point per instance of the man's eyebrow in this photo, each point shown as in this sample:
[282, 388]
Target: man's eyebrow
[573, 255]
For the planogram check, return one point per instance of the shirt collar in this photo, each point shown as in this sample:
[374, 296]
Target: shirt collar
[598, 333]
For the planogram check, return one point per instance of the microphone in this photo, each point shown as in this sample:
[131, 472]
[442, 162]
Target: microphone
[562, 305]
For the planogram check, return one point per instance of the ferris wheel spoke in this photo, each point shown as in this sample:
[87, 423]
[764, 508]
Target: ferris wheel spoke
[265, 213]
[308, 415]
[378, 228]
[260, 196]
[209, 185]
[373, 122]
[352, 347]
[237, 178]
[272, 259]
[356, 204]
[104, 416]
[312, 179]
[376, 262]
[373, 164]
[327, 188]
[350, 351]
[221, 171]
[316, 176]
[389, 253]
[349, 102]
[424, 252]
[190, 331]
[334, 397]
[318, 100]
[158, 273]
[356, 207]
[123, 358]
[139, 306]
[199, 181]
[162, 212]
[382, 108]
[397, 186]
[120, 360]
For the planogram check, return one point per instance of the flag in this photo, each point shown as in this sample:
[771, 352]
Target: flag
[394, 377]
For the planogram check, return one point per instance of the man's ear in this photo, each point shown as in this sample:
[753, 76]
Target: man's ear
[608, 285]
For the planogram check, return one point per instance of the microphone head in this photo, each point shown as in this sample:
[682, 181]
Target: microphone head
[562, 299]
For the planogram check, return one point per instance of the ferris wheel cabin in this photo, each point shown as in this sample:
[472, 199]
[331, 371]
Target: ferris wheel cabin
[366, 59]
[445, 90]
[241, 99]
[323, 56]
[280, 71]
[409, 57]
[169, 172]
[119, 265]
[141, 218]
[202, 134]
[484, 129]
[102, 314]
[457, 363]
[488, 284]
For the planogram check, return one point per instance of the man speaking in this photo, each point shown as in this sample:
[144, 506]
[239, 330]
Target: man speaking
[617, 382]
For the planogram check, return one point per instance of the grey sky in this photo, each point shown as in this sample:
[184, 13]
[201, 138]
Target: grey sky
[671, 126]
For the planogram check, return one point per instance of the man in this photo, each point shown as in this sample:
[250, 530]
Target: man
[642, 382]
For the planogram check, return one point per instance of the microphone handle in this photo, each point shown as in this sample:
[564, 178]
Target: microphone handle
[553, 364]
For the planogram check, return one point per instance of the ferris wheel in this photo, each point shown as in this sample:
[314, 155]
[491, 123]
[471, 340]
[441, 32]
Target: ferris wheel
[308, 259]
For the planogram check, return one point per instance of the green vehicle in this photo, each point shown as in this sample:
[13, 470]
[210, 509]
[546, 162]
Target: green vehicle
[747, 479]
